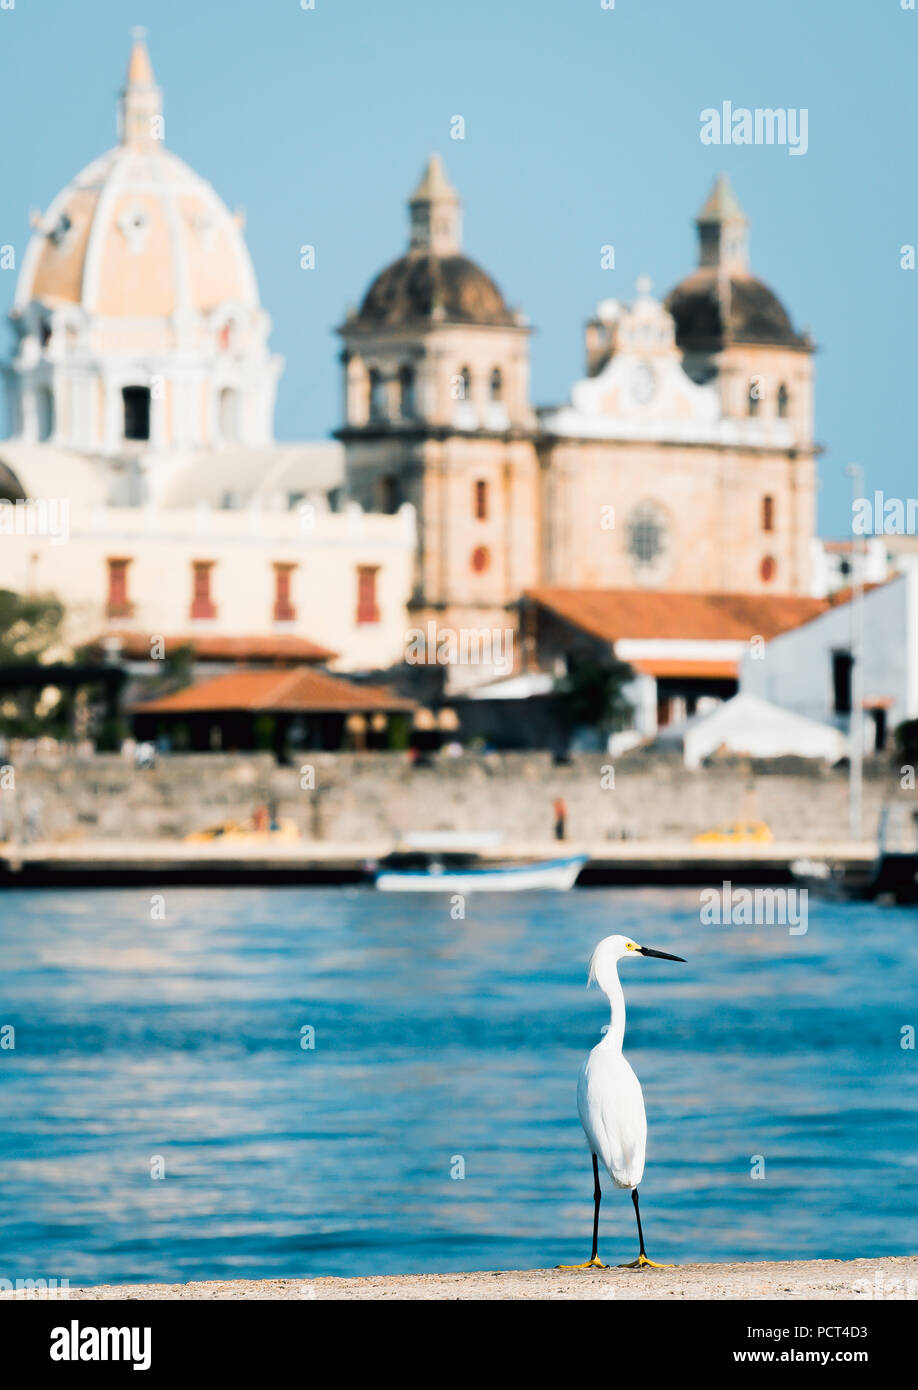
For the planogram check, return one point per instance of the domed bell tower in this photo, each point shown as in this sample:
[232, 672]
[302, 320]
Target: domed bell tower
[735, 332]
[437, 413]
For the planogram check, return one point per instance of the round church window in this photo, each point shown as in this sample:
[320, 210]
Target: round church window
[646, 534]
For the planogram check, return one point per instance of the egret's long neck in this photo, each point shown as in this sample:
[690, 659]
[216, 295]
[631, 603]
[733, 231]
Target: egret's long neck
[612, 986]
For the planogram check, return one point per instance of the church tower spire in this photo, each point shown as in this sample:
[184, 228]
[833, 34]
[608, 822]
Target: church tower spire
[723, 230]
[140, 121]
[435, 212]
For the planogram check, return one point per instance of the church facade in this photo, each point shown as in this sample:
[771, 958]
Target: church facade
[684, 460]
[142, 387]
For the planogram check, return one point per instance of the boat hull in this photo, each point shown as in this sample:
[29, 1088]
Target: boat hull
[557, 874]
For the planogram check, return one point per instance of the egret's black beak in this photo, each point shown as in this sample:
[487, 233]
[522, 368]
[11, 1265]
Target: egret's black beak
[661, 955]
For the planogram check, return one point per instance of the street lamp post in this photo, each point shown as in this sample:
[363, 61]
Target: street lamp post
[856, 717]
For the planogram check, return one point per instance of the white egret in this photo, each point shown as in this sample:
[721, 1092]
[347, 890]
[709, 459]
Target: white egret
[609, 1096]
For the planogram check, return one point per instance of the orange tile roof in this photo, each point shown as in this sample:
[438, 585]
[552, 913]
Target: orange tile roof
[714, 670]
[279, 646]
[298, 691]
[611, 614]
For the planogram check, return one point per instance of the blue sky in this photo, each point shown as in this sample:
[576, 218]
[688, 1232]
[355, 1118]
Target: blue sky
[582, 128]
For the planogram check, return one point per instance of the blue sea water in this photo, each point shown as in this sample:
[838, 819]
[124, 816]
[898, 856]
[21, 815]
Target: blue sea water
[439, 1045]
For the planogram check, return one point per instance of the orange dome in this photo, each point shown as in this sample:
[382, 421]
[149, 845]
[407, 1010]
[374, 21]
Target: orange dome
[138, 234]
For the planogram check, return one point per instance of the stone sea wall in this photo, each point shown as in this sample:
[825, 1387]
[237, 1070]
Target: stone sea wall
[366, 798]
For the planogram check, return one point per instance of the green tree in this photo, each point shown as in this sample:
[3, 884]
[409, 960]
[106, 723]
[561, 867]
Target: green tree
[177, 672]
[907, 742]
[29, 627]
[591, 695]
[29, 635]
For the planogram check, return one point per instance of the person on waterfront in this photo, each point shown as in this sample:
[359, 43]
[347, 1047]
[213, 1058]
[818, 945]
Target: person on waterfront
[560, 810]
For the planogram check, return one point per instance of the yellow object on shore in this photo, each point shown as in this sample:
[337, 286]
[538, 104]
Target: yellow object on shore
[739, 832]
[245, 832]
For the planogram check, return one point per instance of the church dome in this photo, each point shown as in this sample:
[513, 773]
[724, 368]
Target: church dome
[137, 234]
[433, 281]
[721, 302]
[137, 320]
[420, 285]
[711, 308]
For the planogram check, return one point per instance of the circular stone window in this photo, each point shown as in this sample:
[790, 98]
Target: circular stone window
[647, 535]
[481, 559]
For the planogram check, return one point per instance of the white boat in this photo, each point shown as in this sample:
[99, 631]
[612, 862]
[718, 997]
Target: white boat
[430, 871]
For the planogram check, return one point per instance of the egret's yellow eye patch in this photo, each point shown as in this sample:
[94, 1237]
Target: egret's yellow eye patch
[633, 946]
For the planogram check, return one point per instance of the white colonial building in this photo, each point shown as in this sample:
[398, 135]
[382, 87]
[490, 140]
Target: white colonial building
[142, 483]
[809, 669]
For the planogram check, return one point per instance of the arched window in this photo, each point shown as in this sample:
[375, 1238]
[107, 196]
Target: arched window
[406, 393]
[481, 500]
[377, 395]
[387, 494]
[229, 415]
[497, 384]
[465, 384]
[136, 412]
[768, 569]
[753, 400]
[481, 559]
[44, 403]
[768, 513]
[783, 401]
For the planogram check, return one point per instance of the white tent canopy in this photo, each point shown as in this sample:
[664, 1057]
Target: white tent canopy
[754, 728]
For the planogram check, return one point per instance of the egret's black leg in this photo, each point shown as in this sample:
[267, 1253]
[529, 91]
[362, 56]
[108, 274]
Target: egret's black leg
[642, 1260]
[597, 1198]
[594, 1262]
[637, 1212]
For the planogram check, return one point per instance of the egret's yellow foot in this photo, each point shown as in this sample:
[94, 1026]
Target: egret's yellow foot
[642, 1262]
[594, 1263]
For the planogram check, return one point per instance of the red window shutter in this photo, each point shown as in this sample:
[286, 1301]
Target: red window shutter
[367, 609]
[117, 604]
[201, 604]
[284, 611]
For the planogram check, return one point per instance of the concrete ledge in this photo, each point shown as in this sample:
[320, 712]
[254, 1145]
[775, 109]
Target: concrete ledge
[626, 862]
[887, 1278]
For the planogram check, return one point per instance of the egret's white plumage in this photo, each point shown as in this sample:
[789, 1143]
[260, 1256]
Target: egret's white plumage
[609, 1097]
[611, 1109]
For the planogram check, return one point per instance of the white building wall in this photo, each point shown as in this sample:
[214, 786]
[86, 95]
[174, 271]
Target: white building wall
[326, 547]
[641, 694]
[795, 670]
